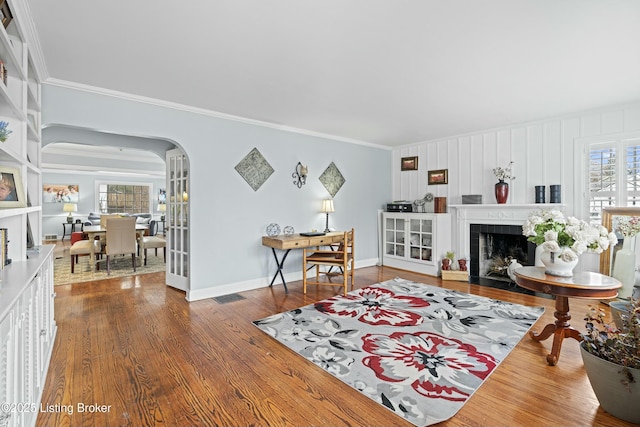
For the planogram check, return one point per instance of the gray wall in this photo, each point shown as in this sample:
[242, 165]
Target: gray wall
[228, 218]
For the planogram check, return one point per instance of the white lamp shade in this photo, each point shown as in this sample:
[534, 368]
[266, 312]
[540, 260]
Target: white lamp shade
[70, 207]
[162, 208]
[327, 206]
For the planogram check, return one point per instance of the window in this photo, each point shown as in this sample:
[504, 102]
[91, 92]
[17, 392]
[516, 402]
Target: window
[614, 175]
[124, 198]
[602, 180]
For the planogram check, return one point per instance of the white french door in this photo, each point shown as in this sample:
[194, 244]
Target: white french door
[178, 220]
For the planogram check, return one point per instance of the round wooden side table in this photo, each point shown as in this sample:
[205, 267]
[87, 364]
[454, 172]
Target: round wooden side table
[581, 285]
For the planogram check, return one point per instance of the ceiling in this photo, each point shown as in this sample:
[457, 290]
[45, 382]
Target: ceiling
[389, 73]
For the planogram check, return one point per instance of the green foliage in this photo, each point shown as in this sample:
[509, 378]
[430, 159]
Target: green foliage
[451, 255]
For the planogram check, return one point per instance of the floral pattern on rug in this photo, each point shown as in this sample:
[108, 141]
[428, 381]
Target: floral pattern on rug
[419, 350]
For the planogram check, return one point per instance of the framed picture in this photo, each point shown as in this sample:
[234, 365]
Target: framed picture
[409, 163]
[436, 177]
[11, 191]
[60, 193]
[5, 13]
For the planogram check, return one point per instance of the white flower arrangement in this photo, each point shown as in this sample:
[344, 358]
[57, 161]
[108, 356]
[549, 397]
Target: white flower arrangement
[629, 226]
[568, 237]
[504, 173]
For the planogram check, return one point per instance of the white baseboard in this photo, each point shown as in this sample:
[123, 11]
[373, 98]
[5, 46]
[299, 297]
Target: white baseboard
[263, 282]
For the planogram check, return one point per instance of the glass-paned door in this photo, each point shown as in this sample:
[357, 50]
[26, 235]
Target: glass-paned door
[177, 274]
[421, 239]
[395, 232]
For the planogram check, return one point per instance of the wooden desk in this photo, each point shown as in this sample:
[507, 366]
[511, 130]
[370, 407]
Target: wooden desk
[97, 230]
[296, 241]
[580, 285]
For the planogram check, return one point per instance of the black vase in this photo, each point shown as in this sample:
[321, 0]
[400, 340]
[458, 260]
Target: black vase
[555, 193]
[540, 194]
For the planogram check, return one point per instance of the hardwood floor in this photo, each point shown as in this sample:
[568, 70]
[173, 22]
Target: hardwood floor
[138, 350]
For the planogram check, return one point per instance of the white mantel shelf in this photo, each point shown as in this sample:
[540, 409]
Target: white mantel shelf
[508, 206]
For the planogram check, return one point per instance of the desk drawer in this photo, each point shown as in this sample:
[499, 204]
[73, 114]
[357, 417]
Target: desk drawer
[297, 243]
[325, 240]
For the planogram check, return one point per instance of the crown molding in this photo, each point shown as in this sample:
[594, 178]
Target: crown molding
[202, 111]
[104, 171]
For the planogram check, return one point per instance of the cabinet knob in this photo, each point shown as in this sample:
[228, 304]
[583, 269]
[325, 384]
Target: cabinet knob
[43, 332]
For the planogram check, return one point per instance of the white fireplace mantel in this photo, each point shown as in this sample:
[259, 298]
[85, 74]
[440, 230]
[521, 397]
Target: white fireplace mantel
[503, 214]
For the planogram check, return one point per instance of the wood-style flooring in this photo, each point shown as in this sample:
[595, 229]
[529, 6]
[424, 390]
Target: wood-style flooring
[138, 350]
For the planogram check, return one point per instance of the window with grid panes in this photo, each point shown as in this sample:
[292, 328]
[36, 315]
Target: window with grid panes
[602, 180]
[614, 175]
[124, 198]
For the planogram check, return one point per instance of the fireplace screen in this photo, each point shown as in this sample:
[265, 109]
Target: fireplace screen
[493, 247]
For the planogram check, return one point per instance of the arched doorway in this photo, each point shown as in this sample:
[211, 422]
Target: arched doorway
[134, 150]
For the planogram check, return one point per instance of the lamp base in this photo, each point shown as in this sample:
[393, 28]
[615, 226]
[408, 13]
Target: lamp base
[70, 219]
[326, 227]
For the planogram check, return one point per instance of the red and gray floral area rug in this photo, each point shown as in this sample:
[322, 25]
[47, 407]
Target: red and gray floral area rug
[419, 350]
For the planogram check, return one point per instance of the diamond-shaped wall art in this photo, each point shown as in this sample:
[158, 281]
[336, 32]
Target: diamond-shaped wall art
[332, 179]
[255, 169]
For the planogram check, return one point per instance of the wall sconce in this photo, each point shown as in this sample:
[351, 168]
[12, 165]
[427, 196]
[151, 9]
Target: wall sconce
[300, 175]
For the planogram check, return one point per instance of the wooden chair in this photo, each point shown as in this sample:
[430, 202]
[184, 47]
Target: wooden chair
[342, 259]
[153, 242]
[121, 239]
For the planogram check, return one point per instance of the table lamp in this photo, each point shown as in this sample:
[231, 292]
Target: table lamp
[70, 207]
[327, 206]
[162, 208]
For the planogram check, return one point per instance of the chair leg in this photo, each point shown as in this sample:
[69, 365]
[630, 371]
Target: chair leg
[164, 250]
[108, 265]
[72, 263]
[133, 261]
[145, 256]
[304, 277]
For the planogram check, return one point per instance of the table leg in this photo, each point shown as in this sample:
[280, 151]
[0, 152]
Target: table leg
[280, 264]
[560, 330]
[92, 252]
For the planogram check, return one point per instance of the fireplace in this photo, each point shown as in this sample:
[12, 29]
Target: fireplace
[492, 248]
[504, 222]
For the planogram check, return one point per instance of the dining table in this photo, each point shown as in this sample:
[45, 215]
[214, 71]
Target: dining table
[93, 231]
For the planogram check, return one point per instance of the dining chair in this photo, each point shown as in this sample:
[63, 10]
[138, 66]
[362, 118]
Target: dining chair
[82, 248]
[121, 239]
[342, 259]
[152, 241]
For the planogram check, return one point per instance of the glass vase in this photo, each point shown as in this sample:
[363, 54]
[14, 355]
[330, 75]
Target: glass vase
[624, 267]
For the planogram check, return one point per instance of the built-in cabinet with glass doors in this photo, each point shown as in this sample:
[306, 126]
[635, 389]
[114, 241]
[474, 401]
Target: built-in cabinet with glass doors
[415, 241]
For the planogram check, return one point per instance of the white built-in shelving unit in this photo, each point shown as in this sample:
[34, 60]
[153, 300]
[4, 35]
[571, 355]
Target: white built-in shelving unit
[27, 325]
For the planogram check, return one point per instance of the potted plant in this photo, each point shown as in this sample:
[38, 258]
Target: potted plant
[447, 260]
[611, 357]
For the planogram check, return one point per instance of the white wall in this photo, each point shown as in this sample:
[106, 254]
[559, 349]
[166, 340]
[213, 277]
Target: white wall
[227, 218]
[543, 153]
